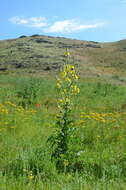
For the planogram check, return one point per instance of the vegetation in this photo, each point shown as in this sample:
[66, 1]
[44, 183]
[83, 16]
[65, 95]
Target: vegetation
[60, 141]
[43, 56]
[65, 133]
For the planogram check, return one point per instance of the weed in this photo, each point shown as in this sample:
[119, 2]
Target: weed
[29, 92]
[67, 89]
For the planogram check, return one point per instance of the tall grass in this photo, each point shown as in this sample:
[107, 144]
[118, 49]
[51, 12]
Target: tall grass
[99, 143]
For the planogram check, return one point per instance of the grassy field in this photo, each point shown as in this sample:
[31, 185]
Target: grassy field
[27, 121]
[29, 114]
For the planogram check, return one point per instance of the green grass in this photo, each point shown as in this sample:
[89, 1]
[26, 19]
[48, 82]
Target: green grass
[100, 161]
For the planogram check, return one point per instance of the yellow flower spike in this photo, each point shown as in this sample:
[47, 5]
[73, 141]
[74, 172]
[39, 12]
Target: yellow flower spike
[67, 89]
[67, 100]
[60, 101]
[66, 54]
[72, 67]
[63, 74]
[75, 89]
[76, 77]
[68, 79]
[67, 68]
[58, 85]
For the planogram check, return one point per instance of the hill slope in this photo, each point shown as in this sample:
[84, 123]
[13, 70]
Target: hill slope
[45, 54]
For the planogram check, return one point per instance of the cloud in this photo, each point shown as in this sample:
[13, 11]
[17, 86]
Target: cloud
[69, 26]
[35, 22]
[65, 26]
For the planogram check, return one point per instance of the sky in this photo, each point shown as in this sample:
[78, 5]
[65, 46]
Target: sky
[93, 20]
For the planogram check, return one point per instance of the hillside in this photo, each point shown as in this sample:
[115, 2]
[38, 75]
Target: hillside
[45, 54]
[64, 134]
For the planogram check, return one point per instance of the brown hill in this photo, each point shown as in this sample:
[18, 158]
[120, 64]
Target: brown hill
[45, 54]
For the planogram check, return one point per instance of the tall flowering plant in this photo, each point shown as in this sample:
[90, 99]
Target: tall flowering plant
[67, 89]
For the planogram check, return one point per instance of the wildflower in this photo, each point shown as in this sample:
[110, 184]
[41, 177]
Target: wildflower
[63, 74]
[75, 89]
[103, 120]
[13, 127]
[80, 152]
[67, 79]
[11, 104]
[64, 91]
[30, 176]
[37, 105]
[60, 101]
[66, 54]
[76, 77]
[67, 100]
[4, 110]
[72, 67]
[67, 89]
[87, 116]
[58, 85]
[32, 111]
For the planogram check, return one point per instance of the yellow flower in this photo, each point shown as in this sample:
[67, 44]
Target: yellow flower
[13, 127]
[4, 110]
[63, 74]
[65, 90]
[32, 111]
[58, 85]
[72, 66]
[66, 53]
[30, 177]
[60, 101]
[76, 77]
[68, 79]
[103, 120]
[67, 100]
[75, 89]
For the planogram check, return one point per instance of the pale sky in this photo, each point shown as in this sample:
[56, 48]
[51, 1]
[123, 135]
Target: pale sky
[93, 20]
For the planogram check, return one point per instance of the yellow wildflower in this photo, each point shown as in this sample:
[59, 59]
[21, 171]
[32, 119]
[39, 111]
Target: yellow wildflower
[75, 89]
[30, 176]
[66, 53]
[68, 79]
[58, 85]
[63, 74]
